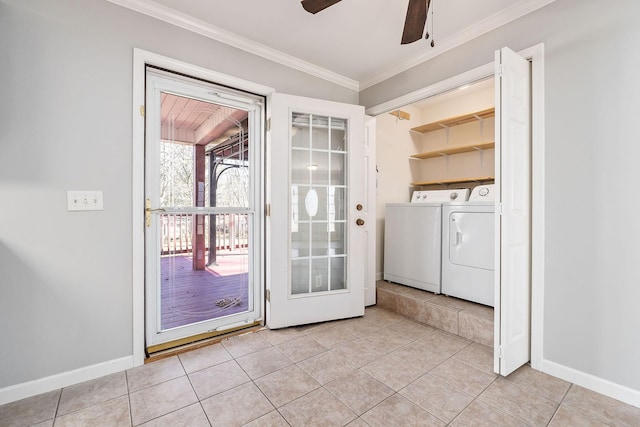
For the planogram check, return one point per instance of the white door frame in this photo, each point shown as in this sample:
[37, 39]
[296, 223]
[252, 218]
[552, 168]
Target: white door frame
[141, 58]
[370, 206]
[535, 54]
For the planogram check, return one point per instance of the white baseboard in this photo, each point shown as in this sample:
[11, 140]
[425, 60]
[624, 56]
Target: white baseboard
[65, 379]
[591, 382]
[379, 276]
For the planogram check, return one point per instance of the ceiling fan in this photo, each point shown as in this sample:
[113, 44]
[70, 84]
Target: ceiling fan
[413, 25]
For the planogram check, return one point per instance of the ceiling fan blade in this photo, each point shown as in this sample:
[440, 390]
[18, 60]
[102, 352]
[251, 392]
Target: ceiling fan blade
[315, 6]
[415, 21]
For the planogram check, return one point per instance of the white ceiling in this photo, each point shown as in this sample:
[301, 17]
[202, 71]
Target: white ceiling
[355, 43]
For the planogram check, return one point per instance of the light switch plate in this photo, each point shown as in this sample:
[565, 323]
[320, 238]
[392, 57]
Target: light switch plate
[85, 201]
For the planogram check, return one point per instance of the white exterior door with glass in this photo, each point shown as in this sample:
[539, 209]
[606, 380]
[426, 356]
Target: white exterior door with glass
[317, 199]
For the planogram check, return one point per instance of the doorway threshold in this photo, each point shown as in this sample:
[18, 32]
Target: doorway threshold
[178, 348]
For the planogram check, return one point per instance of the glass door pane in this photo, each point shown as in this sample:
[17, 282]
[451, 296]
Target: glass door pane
[318, 204]
[200, 182]
[204, 257]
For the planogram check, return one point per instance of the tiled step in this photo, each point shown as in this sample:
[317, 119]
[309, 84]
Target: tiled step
[459, 317]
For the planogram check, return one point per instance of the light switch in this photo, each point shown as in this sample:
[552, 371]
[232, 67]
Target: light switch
[85, 201]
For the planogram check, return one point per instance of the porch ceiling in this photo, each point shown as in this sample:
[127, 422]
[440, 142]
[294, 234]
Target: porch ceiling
[191, 121]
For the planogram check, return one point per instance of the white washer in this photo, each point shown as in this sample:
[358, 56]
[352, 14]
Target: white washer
[468, 247]
[412, 239]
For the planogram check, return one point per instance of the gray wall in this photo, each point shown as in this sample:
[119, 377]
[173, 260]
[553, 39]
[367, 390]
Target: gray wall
[65, 124]
[592, 277]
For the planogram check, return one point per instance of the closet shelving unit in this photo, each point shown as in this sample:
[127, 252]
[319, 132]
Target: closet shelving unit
[447, 123]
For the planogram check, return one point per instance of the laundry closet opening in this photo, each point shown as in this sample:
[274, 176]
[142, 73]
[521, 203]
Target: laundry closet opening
[436, 211]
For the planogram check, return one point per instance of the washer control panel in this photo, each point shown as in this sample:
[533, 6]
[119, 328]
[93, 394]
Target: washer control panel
[440, 196]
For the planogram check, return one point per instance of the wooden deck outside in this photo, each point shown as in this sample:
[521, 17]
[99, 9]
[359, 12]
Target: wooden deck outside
[190, 296]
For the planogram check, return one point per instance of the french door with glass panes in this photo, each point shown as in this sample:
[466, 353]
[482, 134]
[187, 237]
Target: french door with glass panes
[202, 189]
[317, 242]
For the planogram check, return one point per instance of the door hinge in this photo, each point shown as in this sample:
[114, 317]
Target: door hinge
[268, 295]
[499, 350]
[500, 70]
[268, 124]
[499, 209]
[142, 110]
[267, 209]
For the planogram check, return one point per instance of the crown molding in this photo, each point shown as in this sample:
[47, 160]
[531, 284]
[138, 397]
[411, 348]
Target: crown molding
[494, 21]
[187, 22]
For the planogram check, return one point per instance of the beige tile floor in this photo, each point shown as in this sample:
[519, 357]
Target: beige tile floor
[379, 370]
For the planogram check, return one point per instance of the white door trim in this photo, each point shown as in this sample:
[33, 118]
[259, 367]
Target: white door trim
[536, 55]
[370, 207]
[141, 58]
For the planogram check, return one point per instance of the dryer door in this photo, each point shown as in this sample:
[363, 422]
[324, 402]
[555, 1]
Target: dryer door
[471, 236]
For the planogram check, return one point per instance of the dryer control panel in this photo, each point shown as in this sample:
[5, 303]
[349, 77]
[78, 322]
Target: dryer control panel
[483, 193]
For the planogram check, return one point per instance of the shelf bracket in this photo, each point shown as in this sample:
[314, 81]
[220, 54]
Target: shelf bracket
[481, 121]
[400, 115]
[481, 151]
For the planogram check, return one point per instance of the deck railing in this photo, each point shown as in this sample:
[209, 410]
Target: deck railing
[231, 232]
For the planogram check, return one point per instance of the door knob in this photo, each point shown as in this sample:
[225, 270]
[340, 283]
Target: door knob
[360, 221]
[359, 207]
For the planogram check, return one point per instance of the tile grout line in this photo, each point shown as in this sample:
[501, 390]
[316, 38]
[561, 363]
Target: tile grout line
[126, 382]
[266, 397]
[411, 382]
[252, 380]
[55, 414]
[450, 385]
[569, 408]
[475, 399]
[384, 400]
[560, 404]
[522, 388]
[163, 382]
[194, 391]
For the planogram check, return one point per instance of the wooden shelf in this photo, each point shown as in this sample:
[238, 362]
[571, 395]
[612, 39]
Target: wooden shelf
[455, 150]
[454, 121]
[453, 181]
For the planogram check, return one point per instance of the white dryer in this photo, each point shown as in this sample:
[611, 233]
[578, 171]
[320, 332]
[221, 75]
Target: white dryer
[468, 247]
[412, 239]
